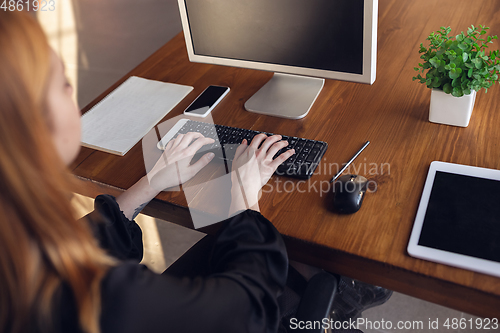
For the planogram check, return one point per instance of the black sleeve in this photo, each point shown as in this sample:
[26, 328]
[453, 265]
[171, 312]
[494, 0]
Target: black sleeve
[118, 235]
[249, 264]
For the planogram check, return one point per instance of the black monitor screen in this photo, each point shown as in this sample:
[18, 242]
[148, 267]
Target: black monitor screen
[463, 216]
[318, 34]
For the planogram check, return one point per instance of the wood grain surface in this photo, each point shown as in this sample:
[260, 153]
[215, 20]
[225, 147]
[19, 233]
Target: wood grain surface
[392, 113]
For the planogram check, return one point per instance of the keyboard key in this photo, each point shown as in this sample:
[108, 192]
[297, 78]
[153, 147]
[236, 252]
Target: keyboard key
[312, 156]
[301, 143]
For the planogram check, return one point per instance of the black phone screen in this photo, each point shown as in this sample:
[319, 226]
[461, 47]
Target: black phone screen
[206, 100]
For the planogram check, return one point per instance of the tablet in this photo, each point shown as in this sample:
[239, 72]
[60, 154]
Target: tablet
[458, 219]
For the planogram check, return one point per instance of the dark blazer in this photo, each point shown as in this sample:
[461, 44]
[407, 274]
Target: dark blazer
[248, 270]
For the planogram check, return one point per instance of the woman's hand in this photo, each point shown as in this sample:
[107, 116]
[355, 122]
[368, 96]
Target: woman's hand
[252, 167]
[174, 168]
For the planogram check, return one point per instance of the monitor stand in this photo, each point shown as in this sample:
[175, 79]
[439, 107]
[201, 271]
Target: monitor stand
[285, 95]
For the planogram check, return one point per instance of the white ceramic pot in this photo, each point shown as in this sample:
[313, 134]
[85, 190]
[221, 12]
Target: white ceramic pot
[451, 110]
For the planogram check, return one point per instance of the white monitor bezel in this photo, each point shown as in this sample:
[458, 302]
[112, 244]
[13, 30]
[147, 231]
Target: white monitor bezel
[369, 52]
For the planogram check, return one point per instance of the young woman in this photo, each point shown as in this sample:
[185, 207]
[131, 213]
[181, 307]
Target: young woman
[58, 274]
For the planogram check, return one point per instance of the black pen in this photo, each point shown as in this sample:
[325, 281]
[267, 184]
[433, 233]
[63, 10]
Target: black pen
[350, 161]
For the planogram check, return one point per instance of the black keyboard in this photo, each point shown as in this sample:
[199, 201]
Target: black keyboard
[308, 153]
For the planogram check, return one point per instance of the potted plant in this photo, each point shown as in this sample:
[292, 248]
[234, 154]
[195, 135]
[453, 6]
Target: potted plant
[455, 68]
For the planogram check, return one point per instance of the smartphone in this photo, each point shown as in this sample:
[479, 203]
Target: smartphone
[207, 100]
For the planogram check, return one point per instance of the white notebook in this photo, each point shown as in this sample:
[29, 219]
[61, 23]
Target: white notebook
[128, 113]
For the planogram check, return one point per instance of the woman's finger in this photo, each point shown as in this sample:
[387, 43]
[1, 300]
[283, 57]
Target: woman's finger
[257, 140]
[241, 148]
[188, 138]
[196, 145]
[169, 145]
[270, 141]
[282, 158]
[201, 163]
[177, 140]
[276, 147]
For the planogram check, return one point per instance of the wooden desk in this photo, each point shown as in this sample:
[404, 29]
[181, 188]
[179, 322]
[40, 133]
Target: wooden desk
[392, 113]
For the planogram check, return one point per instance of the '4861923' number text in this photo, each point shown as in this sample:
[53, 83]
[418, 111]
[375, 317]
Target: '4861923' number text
[28, 5]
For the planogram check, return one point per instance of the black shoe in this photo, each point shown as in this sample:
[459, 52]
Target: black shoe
[353, 297]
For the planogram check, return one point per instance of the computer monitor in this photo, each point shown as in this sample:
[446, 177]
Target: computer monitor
[302, 41]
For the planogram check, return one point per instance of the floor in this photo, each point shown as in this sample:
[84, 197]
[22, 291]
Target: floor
[100, 41]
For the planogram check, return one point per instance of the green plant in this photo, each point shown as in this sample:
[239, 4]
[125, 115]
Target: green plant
[457, 65]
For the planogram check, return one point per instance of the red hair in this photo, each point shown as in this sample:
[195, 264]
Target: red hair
[42, 245]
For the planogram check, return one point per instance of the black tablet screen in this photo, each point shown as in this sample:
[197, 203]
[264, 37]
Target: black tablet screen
[463, 216]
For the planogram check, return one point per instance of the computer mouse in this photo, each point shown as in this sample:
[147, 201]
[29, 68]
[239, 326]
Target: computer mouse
[349, 191]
